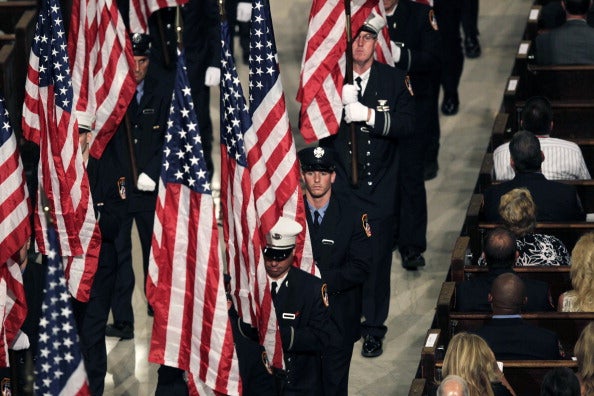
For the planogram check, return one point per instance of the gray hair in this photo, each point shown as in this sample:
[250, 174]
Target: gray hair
[441, 391]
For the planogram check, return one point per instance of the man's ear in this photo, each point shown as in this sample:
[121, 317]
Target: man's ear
[490, 298]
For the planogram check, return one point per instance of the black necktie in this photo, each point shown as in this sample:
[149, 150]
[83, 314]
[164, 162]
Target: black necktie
[273, 290]
[316, 221]
[359, 80]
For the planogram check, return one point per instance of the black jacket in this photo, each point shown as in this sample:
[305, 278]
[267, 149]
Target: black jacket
[342, 252]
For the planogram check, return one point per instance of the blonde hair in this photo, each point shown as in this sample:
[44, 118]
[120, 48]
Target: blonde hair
[584, 352]
[470, 357]
[582, 272]
[518, 211]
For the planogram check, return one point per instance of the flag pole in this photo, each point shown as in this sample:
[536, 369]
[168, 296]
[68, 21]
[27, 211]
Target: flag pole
[348, 78]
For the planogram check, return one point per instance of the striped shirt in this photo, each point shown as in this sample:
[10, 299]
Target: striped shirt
[563, 161]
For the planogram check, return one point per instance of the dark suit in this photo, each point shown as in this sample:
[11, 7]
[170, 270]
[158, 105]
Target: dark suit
[471, 295]
[306, 330]
[449, 17]
[378, 173]
[512, 339]
[421, 58]
[148, 121]
[342, 252]
[554, 201]
[108, 188]
[570, 44]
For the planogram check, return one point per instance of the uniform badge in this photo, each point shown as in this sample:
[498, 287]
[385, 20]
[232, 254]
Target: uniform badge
[122, 187]
[266, 363]
[325, 295]
[382, 106]
[318, 152]
[408, 85]
[433, 20]
[366, 225]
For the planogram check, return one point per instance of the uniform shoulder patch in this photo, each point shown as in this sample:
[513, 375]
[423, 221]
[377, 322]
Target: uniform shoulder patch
[122, 187]
[433, 20]
[408, 85]
[366, 225]
[325, 299]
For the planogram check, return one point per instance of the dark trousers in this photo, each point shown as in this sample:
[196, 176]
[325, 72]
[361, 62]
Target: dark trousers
[449, 14]
[470, 11]
[170, 382]
[121, 304]
[433, 131]
[412, 197]
[376, 289]
[336, 362]
[91, 319]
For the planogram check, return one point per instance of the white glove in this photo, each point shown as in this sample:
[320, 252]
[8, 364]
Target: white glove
[350, 94]
[20, 342]
[145, 183]
[355, 112]
[212, 76]
[396, 50]
[244, 11]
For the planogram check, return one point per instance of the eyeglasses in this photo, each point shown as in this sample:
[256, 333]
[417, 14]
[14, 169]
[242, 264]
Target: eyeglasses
[366, 37]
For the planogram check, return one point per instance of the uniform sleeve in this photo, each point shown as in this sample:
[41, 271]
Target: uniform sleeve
[356, 268]
[427, 57]
[214, 33]
[153, 167]
[398, 120]
[317, 333]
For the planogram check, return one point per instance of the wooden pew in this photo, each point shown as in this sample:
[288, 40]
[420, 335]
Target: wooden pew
[567, 325]
[463, 267]
[11, 11]
[418, 387]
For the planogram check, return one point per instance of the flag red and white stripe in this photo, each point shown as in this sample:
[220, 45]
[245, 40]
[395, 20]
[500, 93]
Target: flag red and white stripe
[323, 64]
[13, 306]
[48, 122]
[141, 10]
[102, 63]
[191, 328]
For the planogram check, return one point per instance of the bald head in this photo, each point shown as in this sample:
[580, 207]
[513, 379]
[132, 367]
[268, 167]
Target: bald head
[452, 385]
[507, 294]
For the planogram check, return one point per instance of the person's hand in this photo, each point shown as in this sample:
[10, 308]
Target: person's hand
[20, 342]
[145, 183]
[244, 11]
[350, 94]
[212, 76]
[356, 112]
[396, 51]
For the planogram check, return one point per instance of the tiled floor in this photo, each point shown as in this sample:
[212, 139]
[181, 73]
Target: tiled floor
[463, 142]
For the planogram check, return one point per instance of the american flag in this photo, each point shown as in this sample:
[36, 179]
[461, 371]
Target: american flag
[324, 62]
[101, 59]
[15, 230]
[59, 368]
[141, 10]
[191, 327]
[270, 149]
[47, 121]
[241, 224]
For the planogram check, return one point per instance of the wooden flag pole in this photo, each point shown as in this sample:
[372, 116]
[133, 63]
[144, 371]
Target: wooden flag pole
[348, 79]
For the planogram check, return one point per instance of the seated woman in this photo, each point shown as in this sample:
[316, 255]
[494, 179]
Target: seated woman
[581, 298]
[584, 353]
[469, 357]
[518, 211]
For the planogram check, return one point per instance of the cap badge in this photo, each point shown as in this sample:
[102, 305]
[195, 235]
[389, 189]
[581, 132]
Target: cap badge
[276, 236]
[318, 152]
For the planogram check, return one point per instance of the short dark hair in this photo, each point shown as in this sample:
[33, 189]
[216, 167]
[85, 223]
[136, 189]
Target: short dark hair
[560, 381]
[537, 115]
[524, 149]
[577, 7]
[500, 248]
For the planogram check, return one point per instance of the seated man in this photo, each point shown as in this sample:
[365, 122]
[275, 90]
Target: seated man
[555, 201]
[563, 160]
[507, 334]
[500, 254]
[571, 43]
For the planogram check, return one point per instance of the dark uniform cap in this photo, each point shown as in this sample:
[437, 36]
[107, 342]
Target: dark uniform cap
[141, 44]
[317, 159]
[280, 241]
